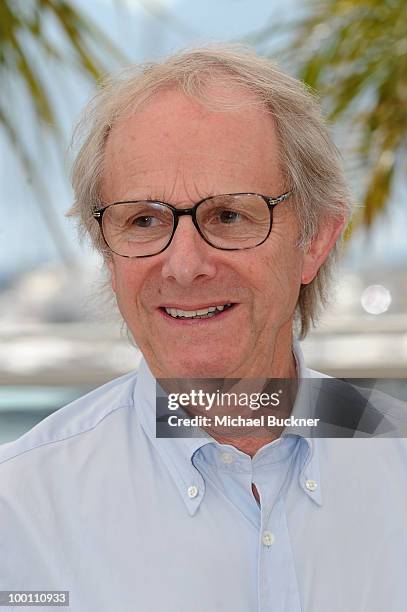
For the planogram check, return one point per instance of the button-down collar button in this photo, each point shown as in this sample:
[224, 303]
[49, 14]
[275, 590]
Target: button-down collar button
[267, 538]
[226, 457]
[311, 485]
[192, 491]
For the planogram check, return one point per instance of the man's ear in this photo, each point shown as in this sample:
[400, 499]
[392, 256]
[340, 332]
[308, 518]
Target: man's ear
[319, 249]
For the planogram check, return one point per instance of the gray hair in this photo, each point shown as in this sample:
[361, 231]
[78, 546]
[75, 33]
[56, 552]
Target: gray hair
[309, 160]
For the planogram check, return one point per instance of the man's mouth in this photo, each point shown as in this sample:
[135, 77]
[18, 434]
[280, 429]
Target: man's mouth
[202, 313]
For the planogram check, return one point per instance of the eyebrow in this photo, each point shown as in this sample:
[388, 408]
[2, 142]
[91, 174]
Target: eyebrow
[160, 197]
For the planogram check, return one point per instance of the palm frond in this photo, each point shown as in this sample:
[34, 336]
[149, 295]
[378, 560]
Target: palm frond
[22, 29]
[354, 52]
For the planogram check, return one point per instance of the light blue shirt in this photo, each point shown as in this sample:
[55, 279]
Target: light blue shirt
[93, 503]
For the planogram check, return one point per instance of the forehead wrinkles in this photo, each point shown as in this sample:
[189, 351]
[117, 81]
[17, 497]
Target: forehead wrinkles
[180, 180]
[181, 185]
[185, 188]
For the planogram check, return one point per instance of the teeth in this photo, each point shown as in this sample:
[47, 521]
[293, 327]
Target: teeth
[190, 314]
[186, 313]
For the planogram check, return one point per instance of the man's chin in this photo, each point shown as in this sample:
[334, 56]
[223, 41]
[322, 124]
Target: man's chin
[199, 368]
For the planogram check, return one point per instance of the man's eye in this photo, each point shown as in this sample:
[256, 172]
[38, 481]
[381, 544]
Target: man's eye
[144, 221]
[229, 216]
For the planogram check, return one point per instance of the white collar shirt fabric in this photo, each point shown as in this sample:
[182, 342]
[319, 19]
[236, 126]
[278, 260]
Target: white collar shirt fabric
[91, 502]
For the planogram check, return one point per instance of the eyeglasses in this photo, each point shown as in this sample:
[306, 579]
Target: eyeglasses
[228, 222]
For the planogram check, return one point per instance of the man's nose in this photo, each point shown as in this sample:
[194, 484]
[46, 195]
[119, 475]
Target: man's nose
[188, 257]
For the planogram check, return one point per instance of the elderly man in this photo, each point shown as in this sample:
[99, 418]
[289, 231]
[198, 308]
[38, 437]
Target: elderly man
[211, 187]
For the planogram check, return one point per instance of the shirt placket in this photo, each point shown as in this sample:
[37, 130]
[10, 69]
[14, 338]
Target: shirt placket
[277, 580]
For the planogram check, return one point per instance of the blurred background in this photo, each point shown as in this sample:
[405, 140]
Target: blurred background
[58, 337]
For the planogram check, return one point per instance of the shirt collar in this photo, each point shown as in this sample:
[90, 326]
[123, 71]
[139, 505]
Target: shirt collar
[177, 453]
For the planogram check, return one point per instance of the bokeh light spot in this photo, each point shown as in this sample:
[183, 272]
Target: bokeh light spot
[375, 299]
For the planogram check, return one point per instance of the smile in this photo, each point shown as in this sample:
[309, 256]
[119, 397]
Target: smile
[202, 313]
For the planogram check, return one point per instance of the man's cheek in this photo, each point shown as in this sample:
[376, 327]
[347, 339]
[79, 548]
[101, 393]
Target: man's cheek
[112, 272]
[122, 274]
[284, 285]
[125, 281]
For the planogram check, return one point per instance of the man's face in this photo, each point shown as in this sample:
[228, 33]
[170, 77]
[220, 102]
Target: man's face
[177, 151]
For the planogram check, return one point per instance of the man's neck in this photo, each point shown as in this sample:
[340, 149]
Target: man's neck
[251, 443]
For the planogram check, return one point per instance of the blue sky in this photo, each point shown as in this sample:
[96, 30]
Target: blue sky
[26, 241]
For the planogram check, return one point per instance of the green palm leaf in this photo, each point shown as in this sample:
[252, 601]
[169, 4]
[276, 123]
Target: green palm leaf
[22, 28]
[354, 52]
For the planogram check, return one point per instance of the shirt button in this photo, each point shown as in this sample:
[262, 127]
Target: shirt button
[227, 457]
[311, 485]
[192, 491]
[268, 538]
